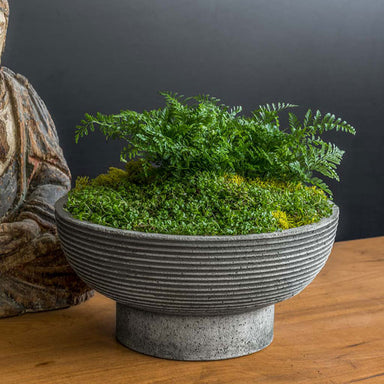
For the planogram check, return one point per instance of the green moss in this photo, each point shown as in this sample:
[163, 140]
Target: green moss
[203, 204]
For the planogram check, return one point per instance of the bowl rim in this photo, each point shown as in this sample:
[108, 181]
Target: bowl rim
[61, 213]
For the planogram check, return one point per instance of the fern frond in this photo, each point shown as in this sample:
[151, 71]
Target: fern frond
[320, 184]
[235, 110]
[323, 159]
[206, 99]
[268, 113]
[276, 107]
[330, 122]
[294, 123]
[307, 118]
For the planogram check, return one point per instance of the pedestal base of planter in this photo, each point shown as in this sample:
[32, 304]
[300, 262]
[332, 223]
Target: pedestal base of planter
[194, 337]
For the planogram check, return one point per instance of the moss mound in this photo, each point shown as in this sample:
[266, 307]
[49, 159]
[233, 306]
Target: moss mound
[203, 204]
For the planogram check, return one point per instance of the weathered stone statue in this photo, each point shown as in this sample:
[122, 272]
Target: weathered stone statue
[34, 275]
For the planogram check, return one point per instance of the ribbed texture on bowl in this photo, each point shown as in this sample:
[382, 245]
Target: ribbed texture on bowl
[195, 275]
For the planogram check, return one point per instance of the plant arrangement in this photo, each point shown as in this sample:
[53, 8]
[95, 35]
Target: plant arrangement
[198, 167]
[214, 219]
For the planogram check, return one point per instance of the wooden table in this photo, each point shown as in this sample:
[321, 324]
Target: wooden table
[333, 332]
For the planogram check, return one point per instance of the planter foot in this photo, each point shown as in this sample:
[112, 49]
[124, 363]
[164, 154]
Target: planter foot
[198, 338]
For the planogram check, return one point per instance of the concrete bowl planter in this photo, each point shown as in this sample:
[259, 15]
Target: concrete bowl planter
[195, 297]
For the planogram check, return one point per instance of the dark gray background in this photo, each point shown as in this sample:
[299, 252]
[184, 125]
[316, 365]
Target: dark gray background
[93, 55]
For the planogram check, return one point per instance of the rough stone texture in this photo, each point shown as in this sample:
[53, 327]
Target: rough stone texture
[194, 337]
[34, 275]
[195, 275]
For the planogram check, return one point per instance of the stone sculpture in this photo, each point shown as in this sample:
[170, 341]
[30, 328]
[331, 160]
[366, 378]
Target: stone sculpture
[34, 275]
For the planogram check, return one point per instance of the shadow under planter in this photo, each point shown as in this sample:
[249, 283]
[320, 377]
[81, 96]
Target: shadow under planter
[195, 297]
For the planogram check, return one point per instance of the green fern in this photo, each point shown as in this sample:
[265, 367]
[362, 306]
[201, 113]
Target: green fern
[193, 134]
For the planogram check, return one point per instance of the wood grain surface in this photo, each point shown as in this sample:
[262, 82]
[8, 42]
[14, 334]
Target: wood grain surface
[333, 332]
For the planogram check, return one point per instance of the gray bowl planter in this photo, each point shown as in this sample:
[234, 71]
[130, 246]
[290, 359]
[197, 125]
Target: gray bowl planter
[195, 297]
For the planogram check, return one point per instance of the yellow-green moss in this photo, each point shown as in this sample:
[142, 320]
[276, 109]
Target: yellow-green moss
[204, 204]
